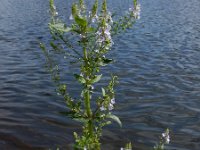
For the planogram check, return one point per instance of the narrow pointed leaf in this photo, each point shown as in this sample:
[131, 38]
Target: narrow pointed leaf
[107, 61]
[115, 118]
[96, 79]
[80, 78]
[80, 21]
[103, 92]
[60, 27]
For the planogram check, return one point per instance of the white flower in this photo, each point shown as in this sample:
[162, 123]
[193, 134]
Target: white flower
[109, 17]
[54, 7]
[102, 108]
[82, 36]
[103, 36]
[166, 137]
[71, 17]
[108, 27]
[135, 11]
[110, 107]
[163, 134]
[96, 50]
[167, 140]
[99, 32]
[54, 12]
[107, 33]
[100, 40]
[92, 87]
[95, 18]
[90, 14]
[112, 101]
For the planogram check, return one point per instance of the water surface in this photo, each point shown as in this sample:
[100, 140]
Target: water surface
[157, 63]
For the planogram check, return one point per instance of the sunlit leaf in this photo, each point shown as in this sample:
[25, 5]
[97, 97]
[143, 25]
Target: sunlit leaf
[60, 27]
[128, 146]
[115, 118]
[80, 78]
[80, 21]
[103, 92]
[62, 89]
[96, 79]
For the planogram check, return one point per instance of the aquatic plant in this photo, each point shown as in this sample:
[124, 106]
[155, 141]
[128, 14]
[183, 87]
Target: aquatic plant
[86, 42]
[164, 139]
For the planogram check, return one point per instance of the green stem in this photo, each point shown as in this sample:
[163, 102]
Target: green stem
[87, 104]
[88, 112]
[87, 94]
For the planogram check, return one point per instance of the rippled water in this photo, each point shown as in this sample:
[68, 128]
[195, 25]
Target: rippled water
[157, 62]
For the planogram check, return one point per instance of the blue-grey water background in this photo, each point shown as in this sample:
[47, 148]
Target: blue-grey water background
[158, 64]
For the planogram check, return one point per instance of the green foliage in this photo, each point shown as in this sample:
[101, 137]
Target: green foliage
[128, 146]
[115, 118]
[87, 42]
[164, 139]
[80, 78]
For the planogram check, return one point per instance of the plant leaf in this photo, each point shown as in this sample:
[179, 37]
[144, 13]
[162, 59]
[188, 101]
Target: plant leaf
[107, 61]
[82, 120]
[103, 92]
[80, 21]
[42, 46]
[96, 79]
[128, 146]
[80, 78]
[62, 89]
[115, 118]
[60, 27]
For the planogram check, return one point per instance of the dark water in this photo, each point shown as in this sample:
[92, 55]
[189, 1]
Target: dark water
[158, 63]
